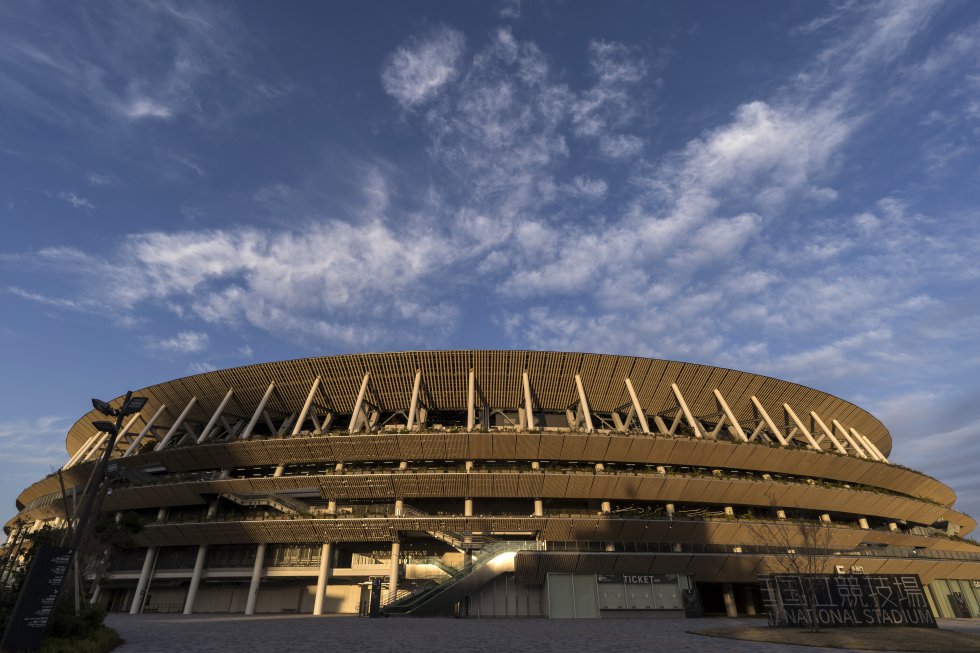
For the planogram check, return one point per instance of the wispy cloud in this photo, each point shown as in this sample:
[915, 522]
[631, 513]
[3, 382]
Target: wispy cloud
[417, 70]
[76, 201]
[185, 342]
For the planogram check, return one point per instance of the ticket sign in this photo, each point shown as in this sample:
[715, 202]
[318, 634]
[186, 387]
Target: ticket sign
[37, 599]
[846, 600]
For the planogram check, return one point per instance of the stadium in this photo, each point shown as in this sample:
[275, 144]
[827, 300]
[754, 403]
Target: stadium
[497, 484]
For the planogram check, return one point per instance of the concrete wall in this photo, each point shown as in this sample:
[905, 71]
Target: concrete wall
[503, 597]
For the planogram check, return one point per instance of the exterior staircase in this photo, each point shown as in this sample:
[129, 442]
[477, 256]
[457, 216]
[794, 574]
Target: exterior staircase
[288, 505]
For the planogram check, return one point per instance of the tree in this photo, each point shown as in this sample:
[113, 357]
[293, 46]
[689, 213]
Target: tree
[799, 547]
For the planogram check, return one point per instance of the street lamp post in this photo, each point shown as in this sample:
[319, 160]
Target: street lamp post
[41, 588]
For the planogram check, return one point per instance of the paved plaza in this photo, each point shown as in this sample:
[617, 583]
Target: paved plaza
[203, 633]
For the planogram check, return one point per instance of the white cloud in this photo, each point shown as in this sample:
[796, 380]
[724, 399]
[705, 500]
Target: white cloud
[76, 201]
[185, 342]
[620, 146]
[142, 107]
[417, 70]
[102, 179]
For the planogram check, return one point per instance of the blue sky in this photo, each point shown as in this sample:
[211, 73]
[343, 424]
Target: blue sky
[782, 187]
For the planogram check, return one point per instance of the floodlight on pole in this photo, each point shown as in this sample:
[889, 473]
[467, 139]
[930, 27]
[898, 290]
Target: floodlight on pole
[133, 405]
[104, 407]
[105, 427]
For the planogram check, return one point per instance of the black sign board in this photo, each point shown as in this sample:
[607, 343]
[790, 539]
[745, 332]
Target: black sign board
[375, 606]
[35, 604]
[847, 600]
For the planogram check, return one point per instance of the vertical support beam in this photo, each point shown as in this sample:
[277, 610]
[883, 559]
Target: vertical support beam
[202, 554]
[176, 425]
[528, 410]
[637, 407]
[471, 403]
[826, 431]
[584, 405]
[796, 420]
[306, 406]
[247, 433]
[413, 406]
[146, 429]
[769, 421]
[729, 596]
[323, 575]
[693, 423]
[137, 606]
[253, 586]
[396, 548]
[214, 418]
[359, 404]
[733, 425]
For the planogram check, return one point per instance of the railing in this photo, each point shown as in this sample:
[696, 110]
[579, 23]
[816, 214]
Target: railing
[408, 603]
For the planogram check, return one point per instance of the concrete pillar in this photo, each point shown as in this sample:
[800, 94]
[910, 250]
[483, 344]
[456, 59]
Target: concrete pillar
[669, 507]
[399, 507]
[538, 508]
[326, 552]
[863, 523]
[469, 465]
[661, 470]
[599, 467]
[825, 518]
[331, 506]
[468, 507]
[535, 464]
[892, 526]
[148, 561]
[610, 547]
[729, 596]
[253, 586]
[396, 549]
[339, 467]
[749, 601]
[202, 554]
[729, 511]
[403, 464]
[780, 514]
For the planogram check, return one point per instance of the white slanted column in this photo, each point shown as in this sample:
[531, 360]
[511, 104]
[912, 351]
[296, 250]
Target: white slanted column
[146, 574]
[855, 443]
[176, 425]
[82, 451]
[637, 408]
[217, 414]
[359, 417]
[148, 562]
[688, 415]
[583, 404]
[259, 410]
[306, 406]
[815, 420]
[528, 411]
[767, 421]
[94, 450]
[202, 554]
[253, 586]
[847, 436]
[413, 405]
[733, 426]
[791, 414]
[145, 430]
[471, 402]
[322, 577]
[396, 548]
[870, 445]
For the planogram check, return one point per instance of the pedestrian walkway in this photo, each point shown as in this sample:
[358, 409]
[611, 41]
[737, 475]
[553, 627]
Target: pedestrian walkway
[300, 633]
